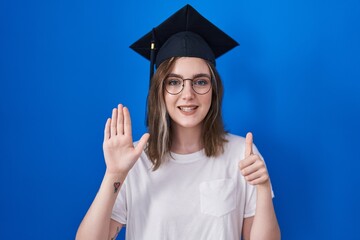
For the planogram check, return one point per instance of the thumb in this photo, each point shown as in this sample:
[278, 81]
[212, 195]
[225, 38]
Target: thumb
[142, 142]
[248, 144]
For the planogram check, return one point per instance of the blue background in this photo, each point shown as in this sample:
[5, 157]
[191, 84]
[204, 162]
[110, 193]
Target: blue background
[293, 82]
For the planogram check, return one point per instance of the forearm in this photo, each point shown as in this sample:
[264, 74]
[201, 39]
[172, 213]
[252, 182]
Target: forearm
[96, 222]
[265, 225]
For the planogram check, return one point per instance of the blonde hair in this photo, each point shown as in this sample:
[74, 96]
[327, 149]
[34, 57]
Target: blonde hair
[158, 119]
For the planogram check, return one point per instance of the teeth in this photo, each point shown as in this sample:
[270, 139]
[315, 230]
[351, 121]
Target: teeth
[187, 109]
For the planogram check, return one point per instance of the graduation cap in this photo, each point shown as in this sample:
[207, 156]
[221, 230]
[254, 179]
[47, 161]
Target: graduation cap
[184, 34]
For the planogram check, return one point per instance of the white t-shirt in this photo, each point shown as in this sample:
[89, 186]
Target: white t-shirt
[190, 197]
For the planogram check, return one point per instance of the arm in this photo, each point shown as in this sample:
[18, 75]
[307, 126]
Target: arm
[96, 223]
[120, 156]
[115, 228]
[264, 224]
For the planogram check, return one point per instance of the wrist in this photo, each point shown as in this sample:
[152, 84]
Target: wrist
[264, 186]
[116, 176]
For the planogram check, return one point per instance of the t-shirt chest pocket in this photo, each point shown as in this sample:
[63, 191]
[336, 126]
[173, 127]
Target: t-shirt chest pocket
[218, 197]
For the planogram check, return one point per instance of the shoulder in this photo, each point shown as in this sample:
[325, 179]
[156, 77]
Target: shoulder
[238, 142]
[234, 141]
[235, 145]
[232, 138]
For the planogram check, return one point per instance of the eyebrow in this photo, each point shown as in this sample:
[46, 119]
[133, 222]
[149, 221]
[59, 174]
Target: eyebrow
[194, 76]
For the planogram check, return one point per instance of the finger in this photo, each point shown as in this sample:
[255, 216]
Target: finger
[260, 180]
[247, 161]
[255, 166]
[248, 144]
[127, 122]
[254, 176]
[142, 143]
[113, 122]
[107, 129]
[120, 120]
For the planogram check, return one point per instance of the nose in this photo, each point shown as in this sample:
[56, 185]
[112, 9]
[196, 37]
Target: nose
[188, 91]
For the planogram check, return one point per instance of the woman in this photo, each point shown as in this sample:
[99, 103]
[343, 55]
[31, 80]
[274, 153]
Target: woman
[193, 180]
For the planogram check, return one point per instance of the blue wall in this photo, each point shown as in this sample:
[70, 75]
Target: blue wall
[293, 82]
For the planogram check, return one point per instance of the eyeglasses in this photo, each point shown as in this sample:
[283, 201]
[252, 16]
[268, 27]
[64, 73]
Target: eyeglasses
[201, 84]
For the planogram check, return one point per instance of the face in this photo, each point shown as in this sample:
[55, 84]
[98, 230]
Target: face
[188, 109]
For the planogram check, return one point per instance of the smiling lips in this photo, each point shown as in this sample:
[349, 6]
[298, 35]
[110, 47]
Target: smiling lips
[187, 109]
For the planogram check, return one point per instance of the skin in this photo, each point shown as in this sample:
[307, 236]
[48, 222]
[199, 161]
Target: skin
[186, 125]
[264, 224]
[120, 156]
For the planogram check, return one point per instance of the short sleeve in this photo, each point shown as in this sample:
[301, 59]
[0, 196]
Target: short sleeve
[119, 211]
[250, 201]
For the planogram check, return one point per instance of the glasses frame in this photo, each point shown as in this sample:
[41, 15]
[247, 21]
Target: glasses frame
[183, 84]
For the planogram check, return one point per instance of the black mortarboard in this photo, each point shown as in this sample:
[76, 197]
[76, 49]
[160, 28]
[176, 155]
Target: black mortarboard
[184, 34]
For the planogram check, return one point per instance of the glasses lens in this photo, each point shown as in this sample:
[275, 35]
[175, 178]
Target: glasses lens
[201, 85]
[173, 85]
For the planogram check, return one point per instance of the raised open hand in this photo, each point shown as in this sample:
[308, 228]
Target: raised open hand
[119, 151]
[252, 166]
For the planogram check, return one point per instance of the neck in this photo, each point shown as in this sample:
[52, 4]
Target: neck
[186, 140]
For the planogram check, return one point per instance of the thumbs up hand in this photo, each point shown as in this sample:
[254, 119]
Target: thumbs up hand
[252, 167]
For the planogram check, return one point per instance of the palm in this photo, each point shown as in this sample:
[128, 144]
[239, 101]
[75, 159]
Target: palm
[119, 151]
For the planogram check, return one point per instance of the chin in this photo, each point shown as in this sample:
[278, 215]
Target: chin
[188, 124]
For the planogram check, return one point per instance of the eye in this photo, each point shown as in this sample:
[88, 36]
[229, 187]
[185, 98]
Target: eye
[173, 81]
[201, 82]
